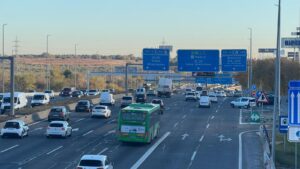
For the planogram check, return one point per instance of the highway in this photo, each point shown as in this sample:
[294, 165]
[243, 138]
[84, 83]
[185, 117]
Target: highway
[190, 138]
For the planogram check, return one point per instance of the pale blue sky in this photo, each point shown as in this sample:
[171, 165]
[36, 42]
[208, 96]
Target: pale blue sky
[127, 26]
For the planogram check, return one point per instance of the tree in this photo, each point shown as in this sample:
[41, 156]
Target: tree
[68, 74]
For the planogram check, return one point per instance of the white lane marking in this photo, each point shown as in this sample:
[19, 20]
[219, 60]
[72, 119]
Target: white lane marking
[102, 151]
[149, 151]
[194, 155]
[216, 111]
[50, 152]
[76, 129]
[40, 128]
[175, 125]
[167, 108]
[212, 117]
[36, 122]
[9, 148]
[110, 132]
[79, 120]
[201, 139]
[89, 132]
[184, 116]
[207, 126]
[111, 121]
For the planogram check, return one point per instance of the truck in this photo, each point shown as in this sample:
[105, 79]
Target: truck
[165, 87]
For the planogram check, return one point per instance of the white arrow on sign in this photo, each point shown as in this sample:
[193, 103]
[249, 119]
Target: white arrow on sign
[254, 117]
[224, 139]
[298, 106]
[184, 136]
[292, 107]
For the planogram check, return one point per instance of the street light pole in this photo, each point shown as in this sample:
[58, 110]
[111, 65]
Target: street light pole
[277, 84]
[75, 74]
[250, 71]
[48, 62]
[3, 83]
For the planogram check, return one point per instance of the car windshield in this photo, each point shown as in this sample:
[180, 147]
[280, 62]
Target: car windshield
[90, 163]
[15, 125]
[38, 97]
[156, 101]
[82, 103]
[67, 89]
[56, 125]
[48, 91]
[244, 100]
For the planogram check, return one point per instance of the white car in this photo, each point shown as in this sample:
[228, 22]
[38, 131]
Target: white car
[243, 102]
[213, 98]
[204, 101]
[101, 111]
[191, 96]
[93, 92]
[59, 128]
[15, 128]
[50, 93]
[94, 162]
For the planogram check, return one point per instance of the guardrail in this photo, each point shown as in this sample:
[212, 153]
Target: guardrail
[264, 135]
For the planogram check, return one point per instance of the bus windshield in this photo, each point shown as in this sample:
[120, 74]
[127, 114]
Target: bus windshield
[133, 116]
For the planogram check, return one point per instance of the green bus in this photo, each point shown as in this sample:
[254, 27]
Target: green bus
[139, 123]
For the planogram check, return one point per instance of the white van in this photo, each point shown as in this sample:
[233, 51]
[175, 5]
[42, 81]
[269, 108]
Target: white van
[107, 98]
[20, 101]
[39, 99]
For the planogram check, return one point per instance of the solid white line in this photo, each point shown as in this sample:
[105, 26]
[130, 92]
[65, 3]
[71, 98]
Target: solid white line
[110, 132]
[102, 151]
[207, 126]
[184, 116]
[36, 122]
[175, 125]
[212, 117]
[79, 120]
[89, 132]
[240, 116]
[149, 151]
[54, 150]
[201, 139]
[194, 155]
[76, 129]
[9, 148]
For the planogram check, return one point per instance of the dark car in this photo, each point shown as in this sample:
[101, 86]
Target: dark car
[84, 106]
[140, 98]
[67, 92]
[84, 92]
[77, 93]
[59, 113]
[161, 104]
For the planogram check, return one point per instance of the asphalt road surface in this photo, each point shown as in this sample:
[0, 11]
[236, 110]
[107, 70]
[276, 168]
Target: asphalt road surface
[189, 138]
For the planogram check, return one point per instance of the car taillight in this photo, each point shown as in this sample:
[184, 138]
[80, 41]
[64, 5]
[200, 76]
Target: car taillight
[63, 128]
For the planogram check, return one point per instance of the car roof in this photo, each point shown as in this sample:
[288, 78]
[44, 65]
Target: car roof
[93, 157]
[101, 106]
[18, 121]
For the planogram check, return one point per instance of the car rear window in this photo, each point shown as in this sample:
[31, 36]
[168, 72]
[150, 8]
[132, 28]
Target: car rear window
[191, 94]
[93, 90]
[56, 125]
[100, 108]
[82, 103]
[15, 125]
[56, 110]
[38, 97]
[156, 101]
[127, 98]
[244, 100]
[91, 163]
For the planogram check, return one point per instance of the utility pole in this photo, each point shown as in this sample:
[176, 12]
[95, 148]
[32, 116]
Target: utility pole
[277, 84]
[75, 73]
[48, 64]
[2, 61]
[16, 46]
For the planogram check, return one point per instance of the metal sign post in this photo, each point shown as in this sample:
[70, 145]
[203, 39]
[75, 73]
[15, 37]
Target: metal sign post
[126, 75]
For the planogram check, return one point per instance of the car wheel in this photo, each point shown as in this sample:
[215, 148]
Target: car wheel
[70, 133]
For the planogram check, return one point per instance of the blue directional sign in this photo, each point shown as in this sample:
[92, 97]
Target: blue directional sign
[253, 87]
[283, 124]
[156, 59]
[198, 60]
[294, 103]
[234, 60]
[201, 80]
